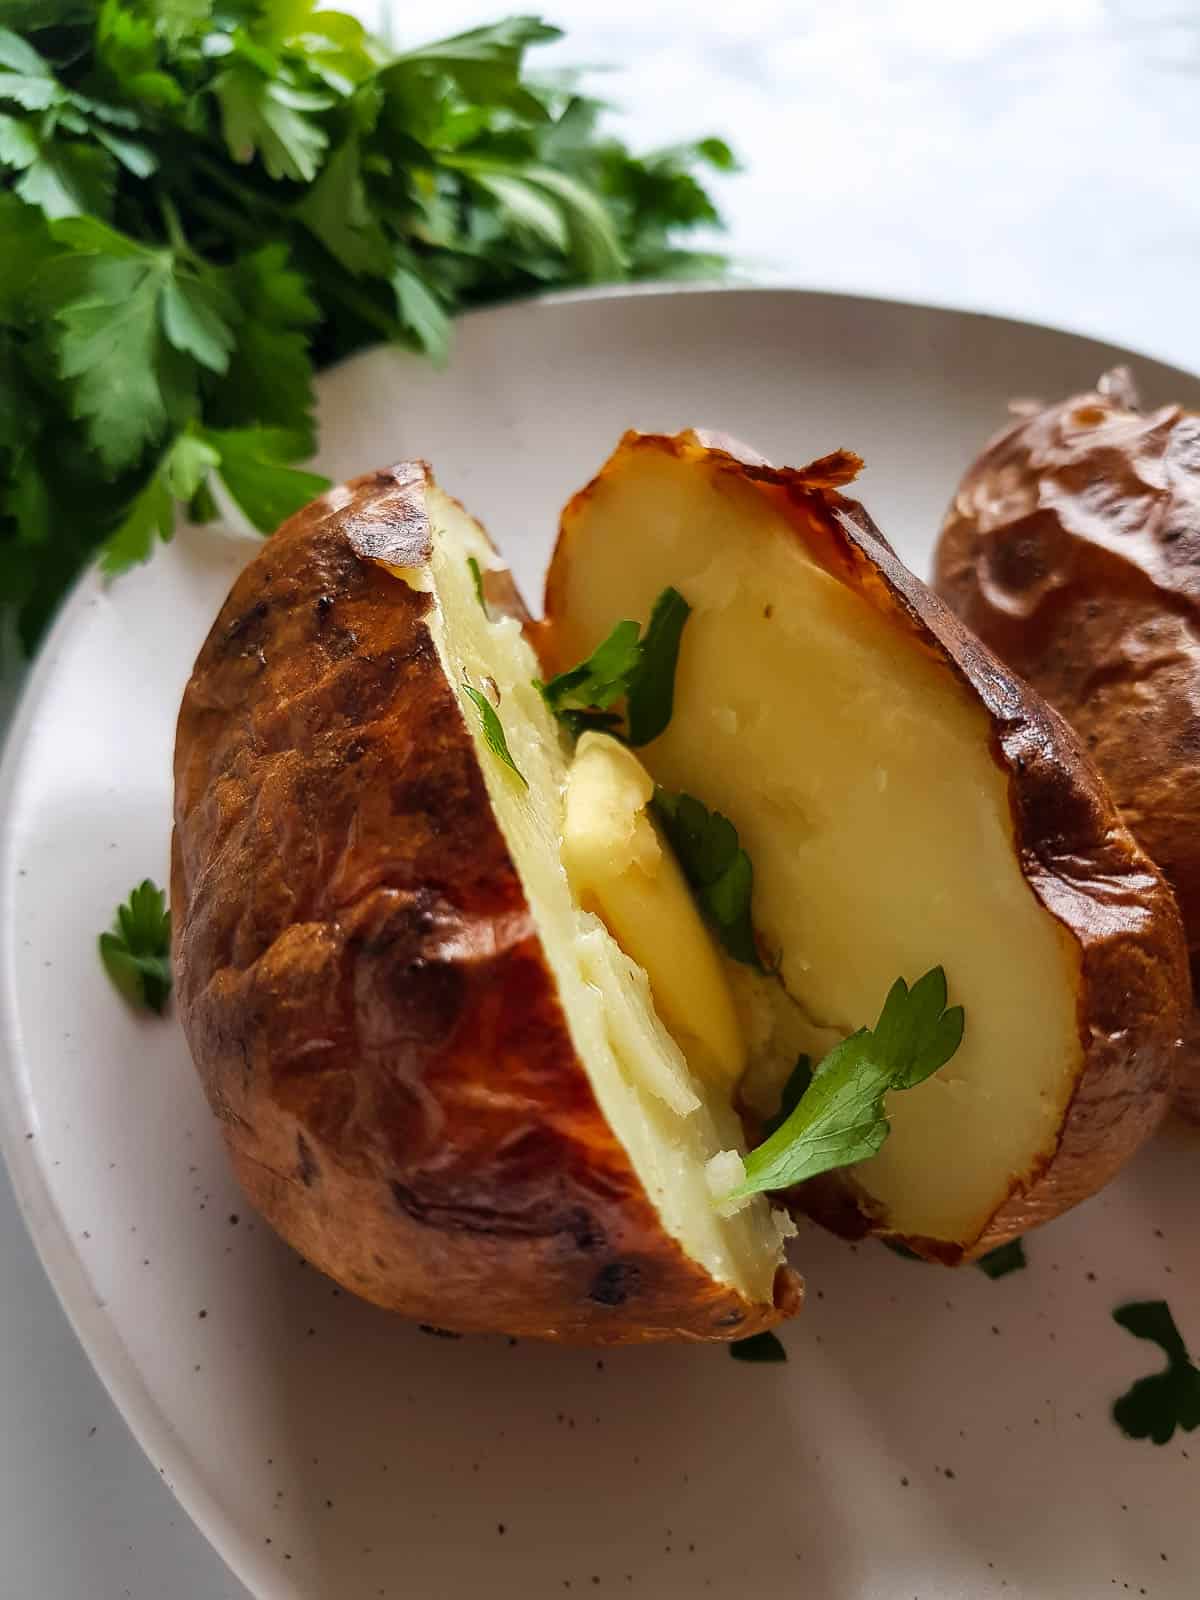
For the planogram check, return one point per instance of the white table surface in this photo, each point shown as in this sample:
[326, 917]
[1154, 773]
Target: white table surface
[1036, 157]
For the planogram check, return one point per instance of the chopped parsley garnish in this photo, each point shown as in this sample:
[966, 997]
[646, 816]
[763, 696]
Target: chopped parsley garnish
[650, 697]
[639, 670]
[758, 1347]
[493, 730]
[1005, 1258]
[715, 866]
[901, 1250]
[1156, 1405]
[137, 953]
[840, 1117]
[477, 580]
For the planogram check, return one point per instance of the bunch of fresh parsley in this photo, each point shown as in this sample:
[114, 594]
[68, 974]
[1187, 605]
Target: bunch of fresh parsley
[203, 201]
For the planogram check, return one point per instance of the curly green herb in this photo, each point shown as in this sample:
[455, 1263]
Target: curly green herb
[840, 1117]
[201, 204]
[493, 731]
[137, 952]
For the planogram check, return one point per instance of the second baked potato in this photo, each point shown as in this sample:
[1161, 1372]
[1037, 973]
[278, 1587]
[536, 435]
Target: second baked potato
[1072, 547]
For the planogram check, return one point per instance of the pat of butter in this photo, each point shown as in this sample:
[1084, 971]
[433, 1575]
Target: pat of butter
[620, 867]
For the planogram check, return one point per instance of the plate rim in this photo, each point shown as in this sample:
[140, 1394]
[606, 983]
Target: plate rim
[57, 1251]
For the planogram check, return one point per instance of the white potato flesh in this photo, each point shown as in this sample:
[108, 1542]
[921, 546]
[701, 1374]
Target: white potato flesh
[670, 1120]
[858, 772]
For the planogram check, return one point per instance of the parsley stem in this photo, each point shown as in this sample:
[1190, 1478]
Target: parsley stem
[174, 227]
[223, 216]
[362, 305]
[251, 200]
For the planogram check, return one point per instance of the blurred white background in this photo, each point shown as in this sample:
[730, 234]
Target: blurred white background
[1037, 157]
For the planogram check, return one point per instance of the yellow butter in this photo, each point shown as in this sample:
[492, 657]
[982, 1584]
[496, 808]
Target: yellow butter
[620, 867]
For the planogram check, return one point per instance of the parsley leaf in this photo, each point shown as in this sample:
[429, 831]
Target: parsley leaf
[902, 1251]
[253, 467]
[594, 685]
[269, 380]
[1155, 1406]
[640, 670]
[493, 731]
[271, 118]
[1005, 1258]
[196, 314]
[840, 1118]
[793, 1090]
[758, 1347]
[650, 698]
[148, 516]
[110, 348]
[716, 867]
[477, 581]
[24, 76]
[137, 953]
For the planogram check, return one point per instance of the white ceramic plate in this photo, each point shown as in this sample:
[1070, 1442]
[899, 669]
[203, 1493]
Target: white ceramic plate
[933, 1435]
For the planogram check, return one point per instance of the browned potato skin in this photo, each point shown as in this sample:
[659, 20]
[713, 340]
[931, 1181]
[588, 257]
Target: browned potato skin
[360, 979]
[1080, 861]
[1073, 548]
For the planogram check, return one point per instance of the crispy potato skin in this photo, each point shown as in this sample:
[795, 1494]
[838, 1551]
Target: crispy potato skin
[1072, 547]
[1079, 860]
[360, 979]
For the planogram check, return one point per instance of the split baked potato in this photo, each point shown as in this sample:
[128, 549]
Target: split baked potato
[438, 1078]
[474, 1051]
[905, 801]
[1072, 547]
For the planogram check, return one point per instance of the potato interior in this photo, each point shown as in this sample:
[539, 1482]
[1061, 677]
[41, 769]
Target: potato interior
[669, 1121]
[858, 773]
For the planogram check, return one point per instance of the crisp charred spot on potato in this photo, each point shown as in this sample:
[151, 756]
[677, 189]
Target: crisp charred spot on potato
[536, 1219]
[308, 1169]
[616, 1283]
[248, 630]
[587, 1234]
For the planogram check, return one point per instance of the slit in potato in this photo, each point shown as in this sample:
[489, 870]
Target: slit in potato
[670, 1119]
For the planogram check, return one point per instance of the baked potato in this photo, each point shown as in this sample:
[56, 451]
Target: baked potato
[905, 801]
[1072, 547]
[438, 1078]
[474, 1050]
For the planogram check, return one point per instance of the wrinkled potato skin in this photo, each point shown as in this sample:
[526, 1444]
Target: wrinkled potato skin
[360, 979]
[1078, 859]
[1073, 549]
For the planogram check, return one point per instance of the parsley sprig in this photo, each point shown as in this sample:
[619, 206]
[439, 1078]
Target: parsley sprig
[1005, 1258]
[201, 204]
[716, 867]
[625, 666]
[137, 952]
[839, 1118]
[759, 1347]
[1156, 1405]
[493, 731]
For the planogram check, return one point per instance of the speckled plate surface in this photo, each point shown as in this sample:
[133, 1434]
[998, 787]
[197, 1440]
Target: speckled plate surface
[934, 1434]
